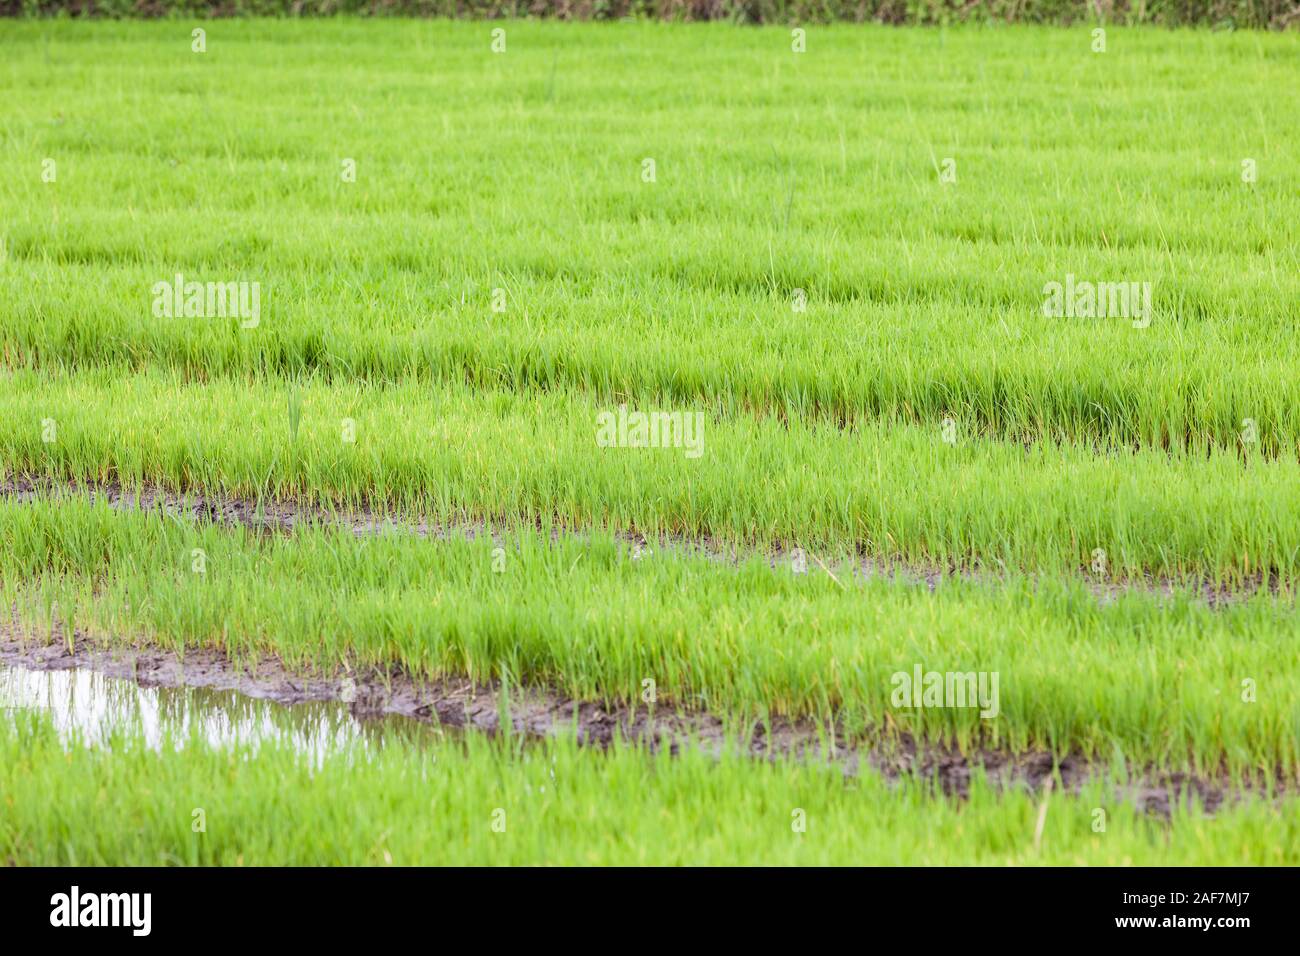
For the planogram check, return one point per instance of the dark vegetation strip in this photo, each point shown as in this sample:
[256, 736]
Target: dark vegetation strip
[1222, 14]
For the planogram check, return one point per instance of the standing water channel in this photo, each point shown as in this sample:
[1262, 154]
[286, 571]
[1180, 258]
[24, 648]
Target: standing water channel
[87, 708]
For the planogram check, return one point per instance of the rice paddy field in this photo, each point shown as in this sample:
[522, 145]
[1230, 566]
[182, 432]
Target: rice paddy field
[753, 426]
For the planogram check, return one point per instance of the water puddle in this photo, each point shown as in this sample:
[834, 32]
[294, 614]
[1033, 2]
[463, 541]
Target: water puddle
[88, 708]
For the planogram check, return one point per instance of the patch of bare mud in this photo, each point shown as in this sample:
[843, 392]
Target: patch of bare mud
[285, 516]
[537, 713]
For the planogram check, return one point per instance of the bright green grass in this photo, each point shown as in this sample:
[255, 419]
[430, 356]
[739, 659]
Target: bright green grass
[883, 488]
[1153, 682]
[775, 171]
[435, 804]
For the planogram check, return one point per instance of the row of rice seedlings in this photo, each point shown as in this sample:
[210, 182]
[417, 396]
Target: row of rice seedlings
[926, 495]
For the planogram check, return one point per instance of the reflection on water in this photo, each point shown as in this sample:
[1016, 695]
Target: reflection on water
[89, 708]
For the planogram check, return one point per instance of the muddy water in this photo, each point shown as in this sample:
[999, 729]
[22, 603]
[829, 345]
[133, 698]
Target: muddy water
[90, 692]
[88, 708]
